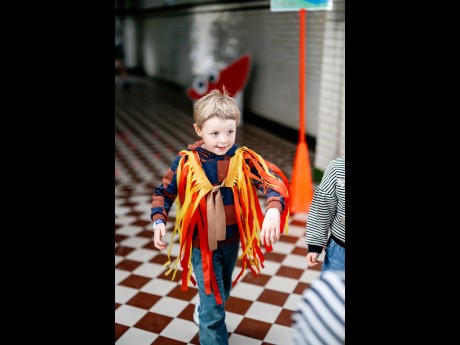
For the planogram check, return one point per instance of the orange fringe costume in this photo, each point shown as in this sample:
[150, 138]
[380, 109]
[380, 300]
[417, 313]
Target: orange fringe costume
[193, 186]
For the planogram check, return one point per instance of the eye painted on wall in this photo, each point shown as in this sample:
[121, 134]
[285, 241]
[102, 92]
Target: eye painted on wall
[213, 76]
[200, 85]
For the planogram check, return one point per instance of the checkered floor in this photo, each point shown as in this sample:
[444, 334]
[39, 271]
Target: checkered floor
[153, 121]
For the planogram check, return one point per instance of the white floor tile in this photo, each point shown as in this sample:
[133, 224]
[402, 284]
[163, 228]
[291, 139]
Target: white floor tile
[175, 249]
[309, 276]
[143, 208]
[118, 259]
[159, 287]
[246, 291]
[136, 336]
[232, 320]
[169, 306]
[129, 230]
[118, 200]
[195, 299]
[134, 242]
[296, 261]
[271, 267]
[282, 284]
[283, 248]
[188, 329]
[121, 211]
[141, 254]
[237, 339]
[292, 301]
[237, 271]
[263, 312]
[128, 315]
[125, 220]
[147, 176]
[123, 293]
[120, 275]
[301, 242]
[142, 199]
[149, 269]
[279, 334]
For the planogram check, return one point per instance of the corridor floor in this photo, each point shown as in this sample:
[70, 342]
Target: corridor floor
[153, 121]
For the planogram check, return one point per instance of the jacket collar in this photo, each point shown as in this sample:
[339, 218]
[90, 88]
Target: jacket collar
[206, 154]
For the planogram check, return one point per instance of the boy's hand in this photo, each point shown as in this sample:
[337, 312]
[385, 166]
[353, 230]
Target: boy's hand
[312, 259]
[270, 232]
[158, 233]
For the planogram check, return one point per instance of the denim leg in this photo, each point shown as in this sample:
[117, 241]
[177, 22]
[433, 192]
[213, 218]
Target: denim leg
[231, 255]
[213, 330]
[334, 259]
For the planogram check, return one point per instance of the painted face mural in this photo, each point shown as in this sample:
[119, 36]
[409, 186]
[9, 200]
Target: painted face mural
[233, 77]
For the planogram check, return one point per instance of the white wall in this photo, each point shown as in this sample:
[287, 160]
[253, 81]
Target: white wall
[176, 45]
[330, 133]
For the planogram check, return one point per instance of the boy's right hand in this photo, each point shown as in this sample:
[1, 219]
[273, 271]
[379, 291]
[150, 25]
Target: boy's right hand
[158, 233]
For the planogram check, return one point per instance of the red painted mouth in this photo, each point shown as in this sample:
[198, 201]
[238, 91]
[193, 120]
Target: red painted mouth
[233, 77]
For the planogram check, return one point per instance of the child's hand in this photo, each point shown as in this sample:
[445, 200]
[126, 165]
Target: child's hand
[312, 259]
[158, 233]
[270, 232]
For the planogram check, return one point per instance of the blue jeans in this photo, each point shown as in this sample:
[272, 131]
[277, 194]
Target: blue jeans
[213, 330]
[334, 259]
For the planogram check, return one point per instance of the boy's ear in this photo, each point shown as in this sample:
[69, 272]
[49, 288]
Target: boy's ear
[197, 130]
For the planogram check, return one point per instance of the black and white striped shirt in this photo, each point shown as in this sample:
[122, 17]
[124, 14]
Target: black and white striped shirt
[327, 208]
[320, 314]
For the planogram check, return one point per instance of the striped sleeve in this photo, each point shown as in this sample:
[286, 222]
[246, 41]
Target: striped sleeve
[320, 314]
[327, 208]
[164, 195]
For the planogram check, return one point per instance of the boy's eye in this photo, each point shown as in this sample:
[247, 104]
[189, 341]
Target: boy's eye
[214, 133]
[230, 132]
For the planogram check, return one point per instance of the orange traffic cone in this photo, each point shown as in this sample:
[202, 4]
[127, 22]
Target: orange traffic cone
[301, 186]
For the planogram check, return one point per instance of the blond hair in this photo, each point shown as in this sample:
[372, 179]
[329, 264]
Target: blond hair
[216, 103]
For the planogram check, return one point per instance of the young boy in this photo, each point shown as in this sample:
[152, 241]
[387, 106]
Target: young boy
[214, 184]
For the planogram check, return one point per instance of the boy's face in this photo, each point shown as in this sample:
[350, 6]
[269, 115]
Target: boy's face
[218, 135]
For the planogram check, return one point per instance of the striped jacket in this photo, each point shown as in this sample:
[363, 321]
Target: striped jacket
[327, 208]
[320, 315]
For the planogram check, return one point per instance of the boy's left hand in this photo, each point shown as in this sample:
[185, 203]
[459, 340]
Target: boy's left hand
[270, 232]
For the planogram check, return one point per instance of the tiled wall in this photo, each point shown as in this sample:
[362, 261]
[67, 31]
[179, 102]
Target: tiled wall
[330, 142]
[177, 45]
